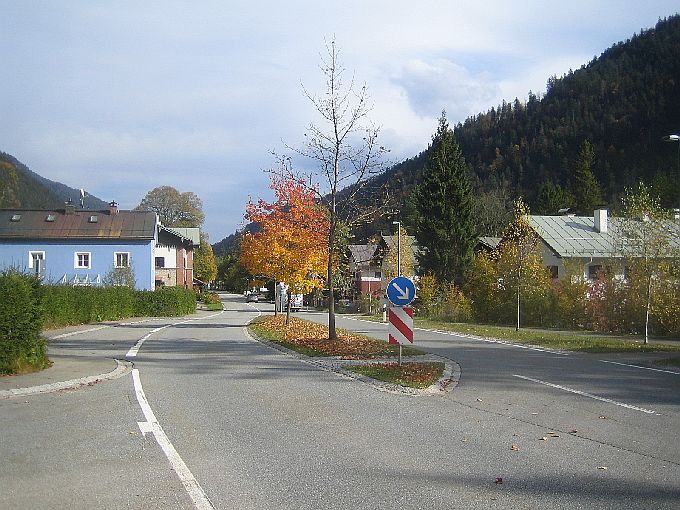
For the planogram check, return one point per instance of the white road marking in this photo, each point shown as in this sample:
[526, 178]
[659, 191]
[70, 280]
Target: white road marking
[642, 368]
[584, 394]
[135, 349]
[151, 425]
[473, 337]
[66, 335]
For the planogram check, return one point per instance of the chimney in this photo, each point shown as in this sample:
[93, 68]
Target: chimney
[70, 208]
[113, 208]
[601, 221]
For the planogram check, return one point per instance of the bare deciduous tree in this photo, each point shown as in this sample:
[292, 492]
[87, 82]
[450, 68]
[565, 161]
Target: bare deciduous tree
[345, 150]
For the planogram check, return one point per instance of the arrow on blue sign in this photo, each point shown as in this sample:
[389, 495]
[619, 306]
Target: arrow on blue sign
[401, 291]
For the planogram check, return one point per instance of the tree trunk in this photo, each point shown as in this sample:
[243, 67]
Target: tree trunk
[332, 334]
[649, 305]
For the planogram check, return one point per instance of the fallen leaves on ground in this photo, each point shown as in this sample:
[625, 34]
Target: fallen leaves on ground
[315, 336]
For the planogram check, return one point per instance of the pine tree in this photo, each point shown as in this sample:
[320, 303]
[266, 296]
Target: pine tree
[445, 223]
[586, 189]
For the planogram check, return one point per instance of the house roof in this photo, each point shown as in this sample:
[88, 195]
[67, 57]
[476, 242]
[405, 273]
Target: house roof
[576, 236]
[392, 241]
[192, 234]
[78, 224]
[362, 253]
[489, 242]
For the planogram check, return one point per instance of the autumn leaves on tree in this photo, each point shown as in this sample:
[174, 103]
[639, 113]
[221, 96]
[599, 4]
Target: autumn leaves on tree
[291, 243]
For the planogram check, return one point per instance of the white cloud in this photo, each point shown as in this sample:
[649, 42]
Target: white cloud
[120, 98]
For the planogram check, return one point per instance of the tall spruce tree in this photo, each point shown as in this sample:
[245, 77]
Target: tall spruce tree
[445, 226]
[586, 189]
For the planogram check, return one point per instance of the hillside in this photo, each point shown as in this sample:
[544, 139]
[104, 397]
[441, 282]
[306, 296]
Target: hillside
[623, 102]
[26, 189]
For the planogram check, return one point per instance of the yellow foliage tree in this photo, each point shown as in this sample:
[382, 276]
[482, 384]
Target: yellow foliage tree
[290, 245]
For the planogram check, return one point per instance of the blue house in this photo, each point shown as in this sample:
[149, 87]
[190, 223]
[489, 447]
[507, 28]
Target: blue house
[80, 247]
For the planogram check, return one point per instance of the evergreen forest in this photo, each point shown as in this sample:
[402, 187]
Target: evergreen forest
[621, 103]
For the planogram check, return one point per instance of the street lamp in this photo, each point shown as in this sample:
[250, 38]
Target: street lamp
[676, 139]
[398, 224]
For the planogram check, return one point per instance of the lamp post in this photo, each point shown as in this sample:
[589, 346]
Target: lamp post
[676, 139]
[398, 224]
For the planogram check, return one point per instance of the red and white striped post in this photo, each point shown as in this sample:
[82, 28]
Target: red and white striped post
[400, 329]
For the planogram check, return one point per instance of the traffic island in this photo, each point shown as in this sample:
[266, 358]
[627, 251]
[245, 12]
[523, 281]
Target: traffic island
[359, 356]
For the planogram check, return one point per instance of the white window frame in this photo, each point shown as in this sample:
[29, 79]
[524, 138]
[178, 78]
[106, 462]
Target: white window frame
[115, 258]
[89, 260]
[41, 254]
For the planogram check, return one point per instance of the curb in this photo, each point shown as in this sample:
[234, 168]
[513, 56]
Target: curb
[122, 368]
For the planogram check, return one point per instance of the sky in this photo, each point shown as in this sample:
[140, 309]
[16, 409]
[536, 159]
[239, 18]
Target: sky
[121, 97]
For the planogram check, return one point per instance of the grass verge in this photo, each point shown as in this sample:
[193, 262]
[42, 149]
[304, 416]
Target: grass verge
[411, 375]
[563, 340]
[670, 362]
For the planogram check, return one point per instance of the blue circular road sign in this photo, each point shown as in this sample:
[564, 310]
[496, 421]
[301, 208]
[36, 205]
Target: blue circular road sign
[401, 291]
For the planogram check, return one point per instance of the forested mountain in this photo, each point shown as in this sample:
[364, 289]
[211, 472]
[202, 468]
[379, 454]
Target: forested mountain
[21, 187]
[622, 102]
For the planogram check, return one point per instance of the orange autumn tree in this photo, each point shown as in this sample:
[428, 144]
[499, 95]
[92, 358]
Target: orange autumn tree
[290, 245]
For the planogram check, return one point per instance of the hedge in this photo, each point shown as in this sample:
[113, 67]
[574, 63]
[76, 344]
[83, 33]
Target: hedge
[64, 305]
[26, 306]
[21, 321]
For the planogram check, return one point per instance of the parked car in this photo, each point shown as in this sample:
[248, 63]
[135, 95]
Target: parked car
[252, 297]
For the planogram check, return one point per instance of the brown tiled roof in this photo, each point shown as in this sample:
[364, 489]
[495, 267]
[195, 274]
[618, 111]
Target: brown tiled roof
[80, 224]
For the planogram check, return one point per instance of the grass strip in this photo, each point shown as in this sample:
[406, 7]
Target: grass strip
[411, 375]
[670, 362]
[563, 340]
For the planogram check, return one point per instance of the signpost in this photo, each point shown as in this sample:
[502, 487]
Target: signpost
[401, 292]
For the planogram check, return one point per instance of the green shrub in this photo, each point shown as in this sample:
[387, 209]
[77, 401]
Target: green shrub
[66, 305]
[21, 320]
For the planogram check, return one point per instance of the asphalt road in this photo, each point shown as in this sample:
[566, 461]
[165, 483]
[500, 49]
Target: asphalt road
[211, 418]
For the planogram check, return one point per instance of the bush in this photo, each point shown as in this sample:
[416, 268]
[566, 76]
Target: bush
[455, 306]
[21, 320]
[66, 305]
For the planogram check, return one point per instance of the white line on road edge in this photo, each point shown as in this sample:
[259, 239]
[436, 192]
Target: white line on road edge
[66, 335]
[135, 349]
[195, 491]
[642, 368]
[589, 395]
[473, 337]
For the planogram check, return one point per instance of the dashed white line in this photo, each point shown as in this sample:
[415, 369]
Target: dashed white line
[584, 394]
[641, 368]
[151, 425]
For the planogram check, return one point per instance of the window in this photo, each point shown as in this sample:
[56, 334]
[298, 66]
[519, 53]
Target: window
[554, 272]
[93, 219]
[593, 271]
[378, 274]
[82, 260]
[51, 218]
[121, 259]
[36, 262]
[160, 262]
